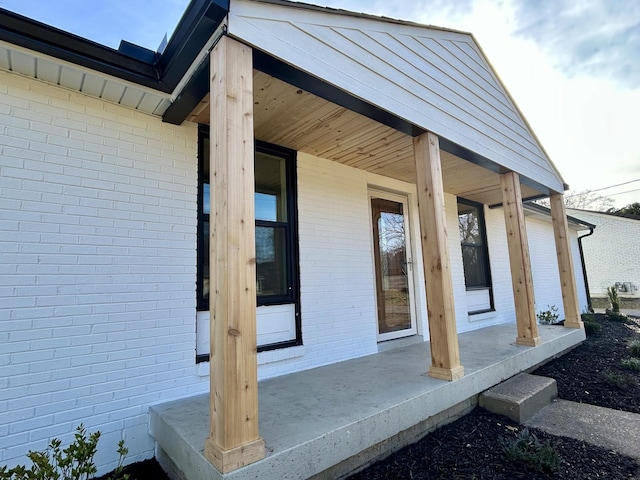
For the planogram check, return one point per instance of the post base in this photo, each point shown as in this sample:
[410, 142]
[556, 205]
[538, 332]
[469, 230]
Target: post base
[448, 374]
[528, 341]
[229, 460]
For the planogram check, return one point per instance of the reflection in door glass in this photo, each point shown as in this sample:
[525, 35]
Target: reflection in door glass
[392, 283]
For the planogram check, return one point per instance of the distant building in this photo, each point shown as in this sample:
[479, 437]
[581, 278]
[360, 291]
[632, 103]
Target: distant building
[612, 253]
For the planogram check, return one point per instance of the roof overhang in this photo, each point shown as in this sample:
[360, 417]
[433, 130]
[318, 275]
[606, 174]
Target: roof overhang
[131, 75]
[544, 213]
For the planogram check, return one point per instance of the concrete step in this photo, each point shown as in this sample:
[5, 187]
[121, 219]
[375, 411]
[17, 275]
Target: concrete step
[520, 397]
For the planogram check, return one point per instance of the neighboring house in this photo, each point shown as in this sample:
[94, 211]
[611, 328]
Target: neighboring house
[345, 152]
[611, 253]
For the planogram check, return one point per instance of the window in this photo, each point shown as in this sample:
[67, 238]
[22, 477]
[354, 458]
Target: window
[275, 229]
[475, 255]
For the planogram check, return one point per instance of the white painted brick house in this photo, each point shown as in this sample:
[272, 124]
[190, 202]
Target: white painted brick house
[610, 253]
[104, 216]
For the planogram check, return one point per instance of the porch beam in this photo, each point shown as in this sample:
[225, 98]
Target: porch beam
[443, 337]
[565, 263]
[233, 440]
[519, 259]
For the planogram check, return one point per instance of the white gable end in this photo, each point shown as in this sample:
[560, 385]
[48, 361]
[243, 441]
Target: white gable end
[435, 79]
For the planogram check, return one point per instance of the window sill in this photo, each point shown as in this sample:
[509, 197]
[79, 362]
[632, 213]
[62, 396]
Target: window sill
[482, 315]
[269, 356]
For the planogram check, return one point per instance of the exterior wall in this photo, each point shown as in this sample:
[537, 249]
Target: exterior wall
[97, 269]
[611, 253]
[544, 265]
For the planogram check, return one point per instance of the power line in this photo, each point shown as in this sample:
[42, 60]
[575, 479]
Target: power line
[605, 188]
[622, 193]
[616, 185]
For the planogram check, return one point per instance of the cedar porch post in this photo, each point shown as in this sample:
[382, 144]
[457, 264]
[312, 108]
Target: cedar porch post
[565, 263]
[445, 354]
[520, 261]
[233, 439]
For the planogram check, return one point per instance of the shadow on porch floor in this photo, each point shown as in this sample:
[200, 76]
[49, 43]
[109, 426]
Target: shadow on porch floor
[327, 421]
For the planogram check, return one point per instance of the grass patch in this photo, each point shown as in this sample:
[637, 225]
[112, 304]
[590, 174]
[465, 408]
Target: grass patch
[634, 348]
[632, 364]
[621, 381]
[528, 449]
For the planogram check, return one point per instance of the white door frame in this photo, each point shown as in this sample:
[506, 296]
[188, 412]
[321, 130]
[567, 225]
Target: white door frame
[404, 200]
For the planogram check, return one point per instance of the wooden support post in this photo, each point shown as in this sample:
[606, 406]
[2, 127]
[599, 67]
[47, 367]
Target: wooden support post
[445, 353]
[520, 261]
[565, 263]
[233, 440]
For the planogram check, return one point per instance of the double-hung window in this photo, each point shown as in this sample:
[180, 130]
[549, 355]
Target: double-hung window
[475, 256]
[276, 242]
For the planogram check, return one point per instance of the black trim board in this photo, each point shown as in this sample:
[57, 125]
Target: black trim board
[164, 73]
[198, 87]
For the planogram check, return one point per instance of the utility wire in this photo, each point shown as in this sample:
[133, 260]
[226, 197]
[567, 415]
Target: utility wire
[607, 188]
[622, 193]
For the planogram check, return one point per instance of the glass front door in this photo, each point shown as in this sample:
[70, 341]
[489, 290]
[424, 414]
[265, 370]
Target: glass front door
[393, 266]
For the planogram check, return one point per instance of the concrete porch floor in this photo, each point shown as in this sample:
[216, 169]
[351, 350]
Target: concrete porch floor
[327, 421]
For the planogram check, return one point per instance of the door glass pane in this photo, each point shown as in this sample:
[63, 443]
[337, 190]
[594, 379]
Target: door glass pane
[392, 281]
[271, 265]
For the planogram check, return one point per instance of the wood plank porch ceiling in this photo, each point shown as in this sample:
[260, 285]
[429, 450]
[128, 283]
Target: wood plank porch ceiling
[290, 117]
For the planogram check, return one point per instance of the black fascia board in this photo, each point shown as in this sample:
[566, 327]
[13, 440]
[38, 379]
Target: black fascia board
[37, 36]
[197, 24]
[193, 93]
[199, 21]
[285, 72]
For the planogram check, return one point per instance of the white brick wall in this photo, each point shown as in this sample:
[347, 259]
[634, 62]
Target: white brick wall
[336, 267]
[97, 268]
[611, 253]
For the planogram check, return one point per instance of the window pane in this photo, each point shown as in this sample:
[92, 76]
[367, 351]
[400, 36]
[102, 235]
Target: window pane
[271, 264]
[468, 224]
[474, 266]
[205, 266]
[206, 196]
[270, 196]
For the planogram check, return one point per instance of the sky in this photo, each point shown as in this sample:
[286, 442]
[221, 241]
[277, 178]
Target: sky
[572, 66]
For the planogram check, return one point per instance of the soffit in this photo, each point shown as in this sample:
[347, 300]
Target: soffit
[293, 118]
[83, 80]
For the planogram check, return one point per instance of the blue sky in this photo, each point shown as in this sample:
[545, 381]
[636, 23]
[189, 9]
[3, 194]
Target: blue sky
[572, 66]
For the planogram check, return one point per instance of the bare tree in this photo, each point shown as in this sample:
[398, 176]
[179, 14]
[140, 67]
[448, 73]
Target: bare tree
[583, 200]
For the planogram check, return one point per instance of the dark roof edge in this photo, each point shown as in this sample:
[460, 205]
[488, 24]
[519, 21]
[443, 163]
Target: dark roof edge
[163, 73]
[546, 211]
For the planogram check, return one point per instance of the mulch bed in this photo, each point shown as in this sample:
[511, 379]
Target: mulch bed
[592, 373]
[473, 446]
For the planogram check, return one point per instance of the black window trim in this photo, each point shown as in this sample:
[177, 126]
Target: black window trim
[291, 226]
[485, 247]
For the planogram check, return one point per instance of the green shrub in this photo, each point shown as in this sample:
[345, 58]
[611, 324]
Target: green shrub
[634, 348]
[591, 327]
[73, 463]
[612, 295]
[621, 381]
[617, 316]
[632, 363]
[548, 317]
[528, 449]
[588, 317]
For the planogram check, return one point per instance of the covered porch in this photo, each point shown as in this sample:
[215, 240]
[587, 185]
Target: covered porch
[246, 101]
[329, 421]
